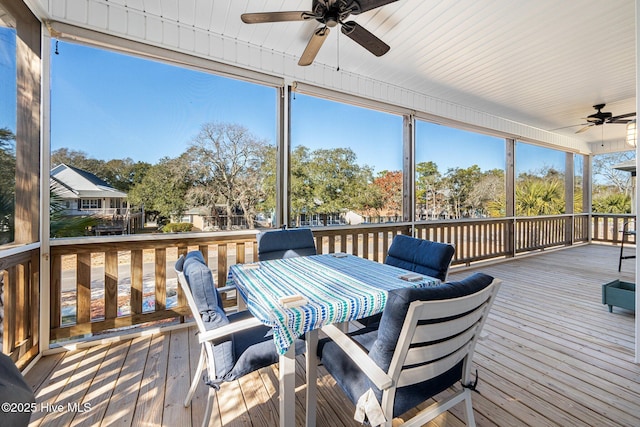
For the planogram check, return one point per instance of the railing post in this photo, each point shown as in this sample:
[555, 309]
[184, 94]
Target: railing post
[510, 237]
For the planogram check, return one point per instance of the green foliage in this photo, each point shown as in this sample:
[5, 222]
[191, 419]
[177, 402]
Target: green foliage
[177, 227]
[7, 185]
[460, 182]
[540, 196]
[62, 225]
[163, 188]
[613, 203]
[328, 181]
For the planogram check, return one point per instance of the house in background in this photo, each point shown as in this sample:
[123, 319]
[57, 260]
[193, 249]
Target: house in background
[86, 194]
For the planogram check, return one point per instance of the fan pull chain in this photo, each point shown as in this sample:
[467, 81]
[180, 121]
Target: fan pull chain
[338, 50]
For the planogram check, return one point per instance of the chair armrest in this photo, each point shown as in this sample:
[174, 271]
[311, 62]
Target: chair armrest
[226, 288]
[229, 329]
[358, 355]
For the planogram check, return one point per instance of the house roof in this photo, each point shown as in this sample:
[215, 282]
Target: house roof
[73, 183]
[531, 69]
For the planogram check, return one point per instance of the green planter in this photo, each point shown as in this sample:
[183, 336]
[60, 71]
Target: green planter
[620, 294]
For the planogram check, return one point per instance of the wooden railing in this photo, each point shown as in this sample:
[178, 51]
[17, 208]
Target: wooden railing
[608, 227]
[19, 279]
[107, 283]
[475, 240]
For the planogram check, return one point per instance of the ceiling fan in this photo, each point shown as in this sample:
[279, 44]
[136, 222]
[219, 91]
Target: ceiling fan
[329, 13]
[601, 117]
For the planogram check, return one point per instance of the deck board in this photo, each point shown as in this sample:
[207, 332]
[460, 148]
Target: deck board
[552, 356]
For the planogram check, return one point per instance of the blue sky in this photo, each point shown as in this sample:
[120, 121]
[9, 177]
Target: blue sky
[7, 78]
[114, 106]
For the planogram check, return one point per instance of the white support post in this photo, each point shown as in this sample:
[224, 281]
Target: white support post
[45, 167]
[637, 318]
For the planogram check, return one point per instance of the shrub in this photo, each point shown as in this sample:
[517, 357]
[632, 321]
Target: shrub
[177, 227]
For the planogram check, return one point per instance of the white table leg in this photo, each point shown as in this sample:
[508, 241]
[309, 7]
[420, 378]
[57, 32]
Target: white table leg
[287, 400]
[312, 374]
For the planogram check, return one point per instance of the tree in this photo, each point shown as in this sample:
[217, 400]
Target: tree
[63, 225]
[603, 170]
[225, 161]
[487, 193]
[124, 174]
[459, 183]
[7, 185]
[428, 188]
[302, 185]
[78, 159]
[163, 189]
[613, 203]
[389, 184]
[337, 181]
[540, 196]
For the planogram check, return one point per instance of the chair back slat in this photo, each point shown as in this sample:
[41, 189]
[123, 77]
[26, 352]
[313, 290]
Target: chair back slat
[424, 354]
[446, 329]
[414, 375]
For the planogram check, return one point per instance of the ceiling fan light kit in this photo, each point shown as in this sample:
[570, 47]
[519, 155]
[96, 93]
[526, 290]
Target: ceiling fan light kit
[632, 134]
[329, 13]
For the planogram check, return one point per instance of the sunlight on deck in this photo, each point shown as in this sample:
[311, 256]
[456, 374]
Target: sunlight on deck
[552, 355]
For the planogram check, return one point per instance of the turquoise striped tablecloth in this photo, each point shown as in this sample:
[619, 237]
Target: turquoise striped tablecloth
[338, 289]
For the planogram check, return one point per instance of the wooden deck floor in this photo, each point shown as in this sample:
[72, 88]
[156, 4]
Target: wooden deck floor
[553, 356]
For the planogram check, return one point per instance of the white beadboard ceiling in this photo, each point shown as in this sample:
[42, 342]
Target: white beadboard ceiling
[543, 63]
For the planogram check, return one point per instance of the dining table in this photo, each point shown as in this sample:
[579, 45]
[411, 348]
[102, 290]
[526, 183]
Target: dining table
[298, 296]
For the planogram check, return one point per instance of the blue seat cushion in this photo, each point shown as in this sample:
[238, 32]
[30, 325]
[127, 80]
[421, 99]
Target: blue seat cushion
[381, 344]
[421, 256]
[254, 348]
[278, 244]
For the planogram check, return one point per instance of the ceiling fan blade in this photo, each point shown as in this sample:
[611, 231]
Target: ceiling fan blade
[584, 129]
[263, 17]
[621, 118]
[360, 6]
[314, 45]
[364, 38]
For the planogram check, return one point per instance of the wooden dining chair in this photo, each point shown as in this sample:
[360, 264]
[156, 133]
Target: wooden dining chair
[285, 243]
[231, 345]
[423, 346]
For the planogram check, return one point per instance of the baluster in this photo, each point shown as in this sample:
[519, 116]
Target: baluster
[111, 284]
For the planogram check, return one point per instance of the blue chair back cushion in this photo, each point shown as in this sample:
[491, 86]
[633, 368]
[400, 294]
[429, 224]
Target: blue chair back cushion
[209, 304]
[246, 351]
[421, 256]
[278, 244]
[381, 344]
[14, 389]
